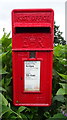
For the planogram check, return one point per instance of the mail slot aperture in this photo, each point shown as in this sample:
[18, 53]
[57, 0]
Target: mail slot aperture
[32, 29]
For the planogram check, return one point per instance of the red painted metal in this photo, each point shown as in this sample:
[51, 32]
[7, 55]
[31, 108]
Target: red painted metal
[32, 30]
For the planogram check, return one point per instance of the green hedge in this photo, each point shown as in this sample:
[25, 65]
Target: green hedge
[59, 95]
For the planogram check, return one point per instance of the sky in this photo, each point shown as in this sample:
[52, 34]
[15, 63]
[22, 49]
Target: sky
[6, 6]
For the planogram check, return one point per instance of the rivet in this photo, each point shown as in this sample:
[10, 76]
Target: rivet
[17, 101]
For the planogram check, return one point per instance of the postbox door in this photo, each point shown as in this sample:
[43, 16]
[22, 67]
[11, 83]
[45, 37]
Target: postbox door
[32, 78]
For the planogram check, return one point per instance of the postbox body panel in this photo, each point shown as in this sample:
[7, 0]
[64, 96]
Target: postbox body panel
[34, 28]
[32, 51]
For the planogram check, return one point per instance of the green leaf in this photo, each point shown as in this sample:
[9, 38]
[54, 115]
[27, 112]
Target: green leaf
[23, 117]
[3, 100]
[14, 117]
[56, 50]
[18, 115]
[9, 47]
[6, 40]
[8, 35]
[34, 109]
[47, 114]
[59, 51]
[61, 91]
[7, 114]
[64, 85]
[3, 54]
[22, 108]
[0, 107]
[2, 89]
[2, 82]
[3, 71]
[59, 98]
[5, 109]
[8, 81]
[63, 76]
[8, 97]
[59, 115]
[30, 116]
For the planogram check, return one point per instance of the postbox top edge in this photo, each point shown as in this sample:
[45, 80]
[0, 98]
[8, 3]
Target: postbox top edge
[33, 10]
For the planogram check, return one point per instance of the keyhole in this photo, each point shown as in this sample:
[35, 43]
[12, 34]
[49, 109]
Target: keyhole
[32, 54]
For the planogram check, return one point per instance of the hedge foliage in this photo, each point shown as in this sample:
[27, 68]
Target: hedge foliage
[59, 93]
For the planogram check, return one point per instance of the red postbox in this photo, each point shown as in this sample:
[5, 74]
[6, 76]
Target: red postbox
[32, 51]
